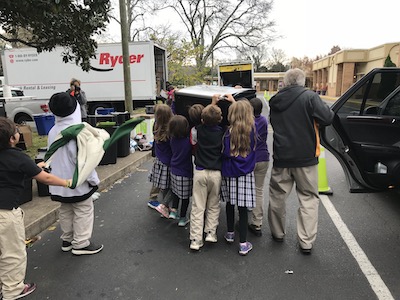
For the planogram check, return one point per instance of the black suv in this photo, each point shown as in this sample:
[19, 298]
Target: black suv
[365, 134]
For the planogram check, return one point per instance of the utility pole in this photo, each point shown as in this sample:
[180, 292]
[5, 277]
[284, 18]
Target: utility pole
[125, 55]
[212, 63]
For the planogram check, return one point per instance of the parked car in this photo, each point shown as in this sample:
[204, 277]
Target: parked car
[14, 92]
[365, 134]
[21, 108]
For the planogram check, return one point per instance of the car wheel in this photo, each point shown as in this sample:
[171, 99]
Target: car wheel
[22, 119]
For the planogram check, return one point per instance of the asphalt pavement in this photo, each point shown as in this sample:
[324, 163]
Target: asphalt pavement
[42, 212]
[148, 257]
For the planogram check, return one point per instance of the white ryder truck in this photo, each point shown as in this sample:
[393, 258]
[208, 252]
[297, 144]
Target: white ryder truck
[43, 74]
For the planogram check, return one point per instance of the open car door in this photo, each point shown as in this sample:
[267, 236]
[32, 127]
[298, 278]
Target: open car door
[365, 133]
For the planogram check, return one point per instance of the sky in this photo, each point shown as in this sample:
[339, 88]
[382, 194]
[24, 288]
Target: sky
[313, 27]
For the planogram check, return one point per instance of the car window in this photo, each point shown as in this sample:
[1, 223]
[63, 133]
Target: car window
[14, 93]
[368, 98]
[392, 107]
[18, 93]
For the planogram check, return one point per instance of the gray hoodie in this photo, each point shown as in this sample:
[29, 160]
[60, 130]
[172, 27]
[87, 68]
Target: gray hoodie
[295, 115]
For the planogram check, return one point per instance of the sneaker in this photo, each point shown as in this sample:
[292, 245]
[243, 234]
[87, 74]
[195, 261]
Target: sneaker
[163, 210]
[28, 289]
[229, 237]
[153, 203]
[183, 221]
[256, 230]
[305, 251]
[91, 249]
[276, 239]
[173, 214]
[211, 237]
[196, 245]
[245, 248]
[66, 246]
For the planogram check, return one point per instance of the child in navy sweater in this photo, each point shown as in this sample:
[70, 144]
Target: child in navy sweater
[181, 165]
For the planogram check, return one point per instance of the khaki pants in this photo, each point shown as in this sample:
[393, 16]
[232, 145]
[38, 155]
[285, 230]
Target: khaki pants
[76, 222]
[260, 171]
[206, 189]
[12, 252]
[282, 180]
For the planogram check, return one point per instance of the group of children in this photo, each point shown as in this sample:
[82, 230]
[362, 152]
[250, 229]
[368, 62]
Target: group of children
[230, 163]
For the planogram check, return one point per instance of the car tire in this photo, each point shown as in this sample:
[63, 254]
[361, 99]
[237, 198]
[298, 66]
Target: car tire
[22, 119]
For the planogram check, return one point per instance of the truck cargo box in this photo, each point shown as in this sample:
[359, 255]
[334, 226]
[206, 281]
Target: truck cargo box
[43, 74]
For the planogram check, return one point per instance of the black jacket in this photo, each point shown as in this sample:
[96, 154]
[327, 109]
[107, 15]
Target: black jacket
[295, 114]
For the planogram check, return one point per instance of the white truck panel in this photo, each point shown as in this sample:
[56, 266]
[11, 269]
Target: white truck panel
[44, 74]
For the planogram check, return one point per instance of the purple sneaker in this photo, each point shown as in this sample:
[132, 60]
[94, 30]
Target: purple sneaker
[245, 248]
[229, 237]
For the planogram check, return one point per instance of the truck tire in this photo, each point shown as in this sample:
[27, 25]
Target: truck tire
[22, 119]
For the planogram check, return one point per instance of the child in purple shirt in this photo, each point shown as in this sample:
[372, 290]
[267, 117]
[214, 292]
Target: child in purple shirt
[260, 170]
[160, 174]
[181, 165]
[238, 162]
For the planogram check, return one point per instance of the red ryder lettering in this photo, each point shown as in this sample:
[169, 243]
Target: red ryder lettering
[107, 59]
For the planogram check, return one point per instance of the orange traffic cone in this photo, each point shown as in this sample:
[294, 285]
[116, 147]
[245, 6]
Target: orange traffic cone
[323, 186]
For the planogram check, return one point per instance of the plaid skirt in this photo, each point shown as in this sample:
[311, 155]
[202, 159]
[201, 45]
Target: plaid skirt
[181, 186]
[160, 175]
[240, 191]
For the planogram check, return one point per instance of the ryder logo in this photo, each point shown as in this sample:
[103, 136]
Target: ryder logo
[109, 60]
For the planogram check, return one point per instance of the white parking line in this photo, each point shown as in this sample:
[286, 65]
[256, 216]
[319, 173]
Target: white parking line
[374, 279]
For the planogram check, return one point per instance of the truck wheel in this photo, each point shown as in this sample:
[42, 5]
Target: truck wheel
[22, 119]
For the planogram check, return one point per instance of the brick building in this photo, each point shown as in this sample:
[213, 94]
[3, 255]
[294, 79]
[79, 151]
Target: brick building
[334, 74]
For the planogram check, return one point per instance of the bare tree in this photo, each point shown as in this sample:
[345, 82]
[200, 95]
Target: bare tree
[277, 61]
[214, 25]
[138, 12]
[180, 56]
[258, 54]
[304, 63]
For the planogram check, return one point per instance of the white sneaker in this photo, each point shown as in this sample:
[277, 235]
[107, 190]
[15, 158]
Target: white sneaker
[196, 245]
[211, 237]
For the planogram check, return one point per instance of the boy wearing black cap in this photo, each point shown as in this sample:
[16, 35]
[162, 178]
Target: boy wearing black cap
[76, 212]
[15, 166]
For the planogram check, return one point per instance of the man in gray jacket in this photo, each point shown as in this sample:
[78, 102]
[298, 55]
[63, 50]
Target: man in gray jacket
[295, 115]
